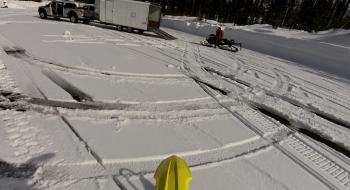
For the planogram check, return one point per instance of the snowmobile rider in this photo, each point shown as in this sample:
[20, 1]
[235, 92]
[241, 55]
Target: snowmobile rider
[219, 36]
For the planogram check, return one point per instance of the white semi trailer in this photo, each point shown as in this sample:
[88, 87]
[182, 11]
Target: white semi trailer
[132, 15]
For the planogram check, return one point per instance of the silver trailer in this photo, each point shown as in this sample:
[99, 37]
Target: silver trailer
[132, 15]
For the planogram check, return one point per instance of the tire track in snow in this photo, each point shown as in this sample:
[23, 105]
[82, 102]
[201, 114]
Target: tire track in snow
[107, 72]
[283, 88]
[249, 63]
[255, 129]
[320, 161]
[333, 113]
[171, 106]
[325, 115]
[278, 84]
[26, 22]
[272, 141]
[21, 138]
[197, 158]
[266, 124]
[79, 95]
[287, 153]
[63, 118]
[17, 124]
[158, 60]
[84, 71]
[343, 97]
[281, 149]
[154, 42]
[253, 76]
[76, 93]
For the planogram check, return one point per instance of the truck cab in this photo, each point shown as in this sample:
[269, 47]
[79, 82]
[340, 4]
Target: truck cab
[67, 9]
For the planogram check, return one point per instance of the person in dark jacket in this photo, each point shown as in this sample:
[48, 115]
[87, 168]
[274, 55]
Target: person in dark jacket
[219, 36]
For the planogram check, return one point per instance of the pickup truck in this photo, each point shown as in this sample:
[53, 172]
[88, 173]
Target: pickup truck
[67, 9]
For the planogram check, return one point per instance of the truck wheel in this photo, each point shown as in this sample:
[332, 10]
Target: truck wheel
[86, 21]
[140, 31]
[73, 18]
[119, 28]
[130, 30]
[42, 14]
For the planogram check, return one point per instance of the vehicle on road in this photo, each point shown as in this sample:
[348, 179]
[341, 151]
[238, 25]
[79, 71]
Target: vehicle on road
[67, 9]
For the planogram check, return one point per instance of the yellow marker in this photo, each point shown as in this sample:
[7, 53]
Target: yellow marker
[173, 173]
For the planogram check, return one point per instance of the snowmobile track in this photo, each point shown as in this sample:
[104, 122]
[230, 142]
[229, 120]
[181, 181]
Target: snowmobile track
[63, 118]
[305, 107]
[325, 89]
[287, 153]
[320, 161]
[277, 146]
[284, 151]
[280, 148]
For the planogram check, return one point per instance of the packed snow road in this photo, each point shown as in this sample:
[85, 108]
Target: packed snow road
[88, 107]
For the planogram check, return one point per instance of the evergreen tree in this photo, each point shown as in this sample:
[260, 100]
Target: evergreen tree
[275, 12]
[299, 14]
[320, 13]
[247, 12]
[257, 12]
[289, 14]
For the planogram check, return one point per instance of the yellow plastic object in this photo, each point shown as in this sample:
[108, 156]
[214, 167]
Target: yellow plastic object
[173, 173]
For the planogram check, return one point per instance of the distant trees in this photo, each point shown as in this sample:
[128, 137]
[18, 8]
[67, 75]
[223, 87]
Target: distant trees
[310, 15]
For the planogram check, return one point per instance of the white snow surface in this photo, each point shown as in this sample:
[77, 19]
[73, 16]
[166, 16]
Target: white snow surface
[89, 107]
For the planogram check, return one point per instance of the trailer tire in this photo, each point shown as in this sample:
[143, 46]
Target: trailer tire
[140, 31]
[130, 30]
[73, 18]
[119, 28]
[42, 14]
[86, 21]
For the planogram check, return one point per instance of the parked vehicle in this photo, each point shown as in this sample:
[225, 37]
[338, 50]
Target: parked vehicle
[3, 4]
[132, 15]
[67, 9]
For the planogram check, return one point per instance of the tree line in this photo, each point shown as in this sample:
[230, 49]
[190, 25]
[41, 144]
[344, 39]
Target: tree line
[310, 15]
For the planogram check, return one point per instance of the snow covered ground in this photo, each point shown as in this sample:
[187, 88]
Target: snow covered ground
[88, 107]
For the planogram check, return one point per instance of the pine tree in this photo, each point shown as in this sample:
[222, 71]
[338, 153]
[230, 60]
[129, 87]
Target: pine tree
[248, 12]
[310, 15]
[275, 12]
[257, 12]
[320, 13]
[289, 14]
[333, 13]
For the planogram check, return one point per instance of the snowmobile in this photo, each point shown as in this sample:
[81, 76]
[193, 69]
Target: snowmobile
[223, 44]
